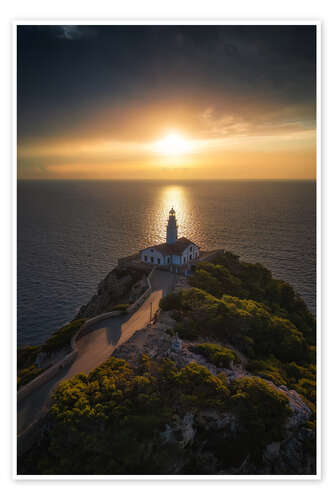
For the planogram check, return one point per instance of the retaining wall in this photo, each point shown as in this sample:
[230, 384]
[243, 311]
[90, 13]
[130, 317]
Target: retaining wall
[145, 294]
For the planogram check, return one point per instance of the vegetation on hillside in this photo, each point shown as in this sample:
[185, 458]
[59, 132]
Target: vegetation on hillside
[62, 337]
[26, 364]
[27, 368]
[264, 319]
[115, 420]
[227, 275]
[217, 354]
[112, 421]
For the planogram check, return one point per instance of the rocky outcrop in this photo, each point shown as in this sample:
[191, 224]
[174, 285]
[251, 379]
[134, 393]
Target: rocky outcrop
[121, 285]
[301, 413]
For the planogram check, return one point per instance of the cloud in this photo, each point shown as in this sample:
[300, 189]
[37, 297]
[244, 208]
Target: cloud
[69, 32]
[233, 123]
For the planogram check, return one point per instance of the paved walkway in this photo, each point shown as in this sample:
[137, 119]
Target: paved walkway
[96, 347]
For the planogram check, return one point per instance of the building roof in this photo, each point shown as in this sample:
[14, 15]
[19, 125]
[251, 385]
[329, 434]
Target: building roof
[176, 248]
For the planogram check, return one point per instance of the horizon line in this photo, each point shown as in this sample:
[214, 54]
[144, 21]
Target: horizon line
[171, 180]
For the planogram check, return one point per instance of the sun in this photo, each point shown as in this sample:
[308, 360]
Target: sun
[173, 144]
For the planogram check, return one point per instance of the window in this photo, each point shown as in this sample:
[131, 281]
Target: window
[151, 259]
[168, 260]
[151, 249]
[190, 257]
[184, 260]
[191, 249]
[158, 261]
[146, 258]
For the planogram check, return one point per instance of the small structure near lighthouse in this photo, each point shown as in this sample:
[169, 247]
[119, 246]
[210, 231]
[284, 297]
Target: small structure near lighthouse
[176, 254]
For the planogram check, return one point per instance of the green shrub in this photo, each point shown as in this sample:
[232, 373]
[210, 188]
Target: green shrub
[247, 324]
[27, 374]
[307, 388]
[199, 388]
[269, 369]
[296, 372]
[62, 337]
[114, 404]
[218, 355]
[216, 280]
[263, 410]
[227, 275]
[171, 301]
[26, 356]
[26, 364]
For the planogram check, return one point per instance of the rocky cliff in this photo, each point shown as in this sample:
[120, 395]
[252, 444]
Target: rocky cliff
[121, 285]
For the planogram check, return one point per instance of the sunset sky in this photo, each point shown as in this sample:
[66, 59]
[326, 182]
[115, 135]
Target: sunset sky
[166, 102]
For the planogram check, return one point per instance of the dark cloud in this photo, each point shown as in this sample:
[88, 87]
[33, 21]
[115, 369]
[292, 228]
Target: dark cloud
[68, 73]
[70, 33]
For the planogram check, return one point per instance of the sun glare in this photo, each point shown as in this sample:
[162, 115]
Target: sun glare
[172, 144]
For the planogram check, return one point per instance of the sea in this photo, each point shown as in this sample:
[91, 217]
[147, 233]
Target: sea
[71, 233]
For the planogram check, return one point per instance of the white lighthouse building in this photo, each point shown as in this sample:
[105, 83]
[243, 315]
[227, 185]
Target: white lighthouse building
[172, 228]
[177, 254]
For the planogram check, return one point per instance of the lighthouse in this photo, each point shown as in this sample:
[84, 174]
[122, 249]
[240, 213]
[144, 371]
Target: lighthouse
[172, 228]
[176, 254]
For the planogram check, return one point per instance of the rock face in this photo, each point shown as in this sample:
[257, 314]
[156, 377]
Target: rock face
[194, 435]
[119, 286]
[301, 413]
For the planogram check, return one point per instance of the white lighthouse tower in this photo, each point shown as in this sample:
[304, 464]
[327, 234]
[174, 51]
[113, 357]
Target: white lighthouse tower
[172, 228]
[176, 254]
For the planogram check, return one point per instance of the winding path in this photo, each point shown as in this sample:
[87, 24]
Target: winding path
[96, 347]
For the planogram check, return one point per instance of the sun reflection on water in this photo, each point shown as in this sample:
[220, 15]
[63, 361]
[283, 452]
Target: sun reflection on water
[187, 214]
[168, 197]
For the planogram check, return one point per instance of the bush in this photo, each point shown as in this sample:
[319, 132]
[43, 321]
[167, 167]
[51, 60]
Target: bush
[114, 404]
[199, 388]
[247, 324]
[270, 369]
[62, 337]
[215, 279]
[26, 364]
[171, 301]
[227, 275]
[27, 374]
[216, 354]
[307, 387]
[26, 356]
[263, 410]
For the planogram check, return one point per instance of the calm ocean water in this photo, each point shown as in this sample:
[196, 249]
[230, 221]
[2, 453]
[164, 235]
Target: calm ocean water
[71, 233]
